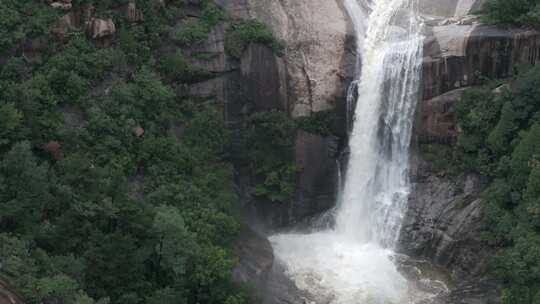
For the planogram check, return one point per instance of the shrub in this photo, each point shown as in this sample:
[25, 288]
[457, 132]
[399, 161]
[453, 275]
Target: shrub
[512, 12]
[197, 30]
[241, 34]
[269, 144]
[176, 68]
[500, 138]
[322, 123]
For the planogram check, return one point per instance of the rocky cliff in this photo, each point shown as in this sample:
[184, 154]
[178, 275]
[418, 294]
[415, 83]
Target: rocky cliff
[445, 217]
[311, 76]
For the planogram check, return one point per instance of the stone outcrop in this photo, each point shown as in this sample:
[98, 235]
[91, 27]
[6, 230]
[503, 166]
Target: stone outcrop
[54, 148]
[460, 55]
[312, 75]
[315, 158]
[133, 14]
[100, 28]
[319, 57]
[62, 4]
[256, 259]
[444, 221]
[83, 18]
[435, 120]
[460, 52]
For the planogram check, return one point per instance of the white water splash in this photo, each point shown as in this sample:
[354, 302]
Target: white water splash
[353, 262]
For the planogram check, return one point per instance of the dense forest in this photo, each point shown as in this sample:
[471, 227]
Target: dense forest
[116, 186]
[500, 139]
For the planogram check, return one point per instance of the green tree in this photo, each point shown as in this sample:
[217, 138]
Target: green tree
[175, 243]
[25, 189]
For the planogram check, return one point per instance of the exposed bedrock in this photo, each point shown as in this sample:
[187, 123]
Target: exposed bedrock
[443, 224]
[320, 53]
[317, 65]
[312, 75]
[459, 51]
[444, 221]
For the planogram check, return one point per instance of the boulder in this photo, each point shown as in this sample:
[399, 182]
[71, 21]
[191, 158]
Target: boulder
[61, 4]
[54, 148]
[67, 23]
[138, 131]
[100, 28]
[133, 14]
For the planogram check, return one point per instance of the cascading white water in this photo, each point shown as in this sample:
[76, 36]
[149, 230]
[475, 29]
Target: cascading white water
[376, 184]
[352, 263]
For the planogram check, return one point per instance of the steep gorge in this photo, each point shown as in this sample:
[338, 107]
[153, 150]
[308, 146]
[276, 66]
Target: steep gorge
[443, 221]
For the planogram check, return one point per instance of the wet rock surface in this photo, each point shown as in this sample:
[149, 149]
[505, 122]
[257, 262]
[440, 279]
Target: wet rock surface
[461, 55]
[443, 225]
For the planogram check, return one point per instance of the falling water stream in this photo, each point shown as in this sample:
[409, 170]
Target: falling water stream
[354, 261]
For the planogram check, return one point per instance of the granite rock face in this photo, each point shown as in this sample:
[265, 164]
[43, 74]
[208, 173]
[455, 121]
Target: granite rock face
[256, 259]
[443, 223]
[459, 51]
[312, 75]
[435, 120]
[460, 55]
[319, 60]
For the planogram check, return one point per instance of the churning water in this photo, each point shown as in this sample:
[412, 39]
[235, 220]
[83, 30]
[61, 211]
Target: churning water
[353, 262]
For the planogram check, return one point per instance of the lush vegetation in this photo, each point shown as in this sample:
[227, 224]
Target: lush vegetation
[193, 31]
[269, 142]
[513, 12]
[242, 33]
[323, 123]
[113, 188]
[500, 139]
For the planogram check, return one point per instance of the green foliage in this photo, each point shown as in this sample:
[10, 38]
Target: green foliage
[322, 123]
[23, 19]
[269, 144]
[195, 31]
[175, 68]
[176, 243]
[10, 121]
[513, 12]
[18, 265]
[138, 205]
[439, 156]
[25, 188]
[242, 33]
[500, 138]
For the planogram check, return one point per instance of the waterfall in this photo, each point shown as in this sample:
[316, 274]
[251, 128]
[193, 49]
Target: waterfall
[376, 186]
[353, 262]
